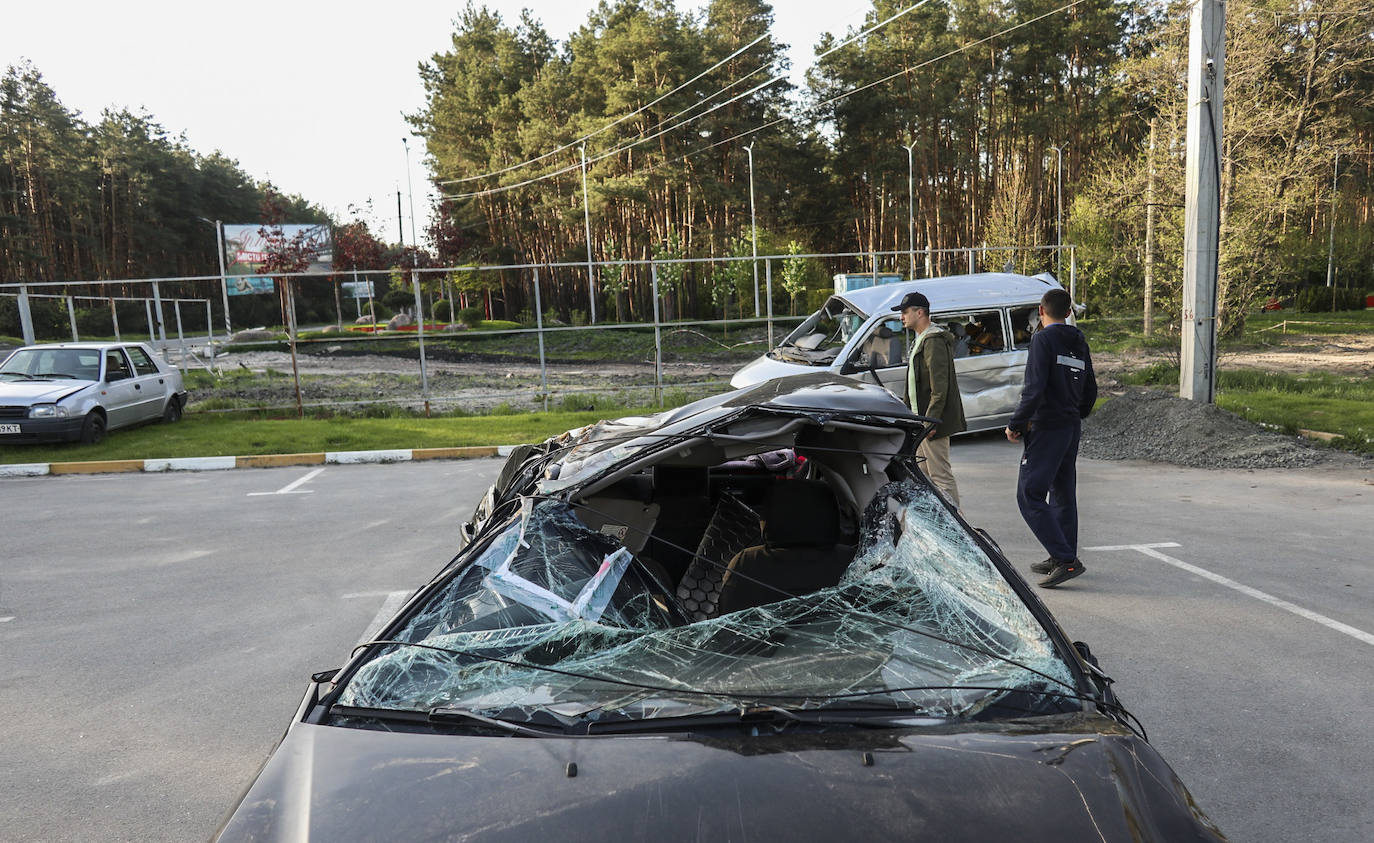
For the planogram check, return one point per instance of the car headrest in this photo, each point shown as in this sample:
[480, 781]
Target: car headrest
[801, 513]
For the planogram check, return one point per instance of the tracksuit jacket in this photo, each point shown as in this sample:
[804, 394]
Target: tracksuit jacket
[1060, 386]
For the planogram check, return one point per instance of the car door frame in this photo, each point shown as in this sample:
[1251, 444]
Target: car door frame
[119, 397]
[151, 387]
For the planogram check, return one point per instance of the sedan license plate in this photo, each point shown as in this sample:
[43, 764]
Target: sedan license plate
[9, 428]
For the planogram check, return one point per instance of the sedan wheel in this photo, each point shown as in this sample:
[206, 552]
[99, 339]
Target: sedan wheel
[93, 429]
[173, 411]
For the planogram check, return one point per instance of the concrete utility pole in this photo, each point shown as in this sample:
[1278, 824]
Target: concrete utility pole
[1206, 75]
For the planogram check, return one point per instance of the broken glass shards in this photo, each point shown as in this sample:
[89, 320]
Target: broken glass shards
[553, 615]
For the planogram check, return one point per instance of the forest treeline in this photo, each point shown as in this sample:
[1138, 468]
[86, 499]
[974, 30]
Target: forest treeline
[121, 197]
[949, 126]
[988, 98]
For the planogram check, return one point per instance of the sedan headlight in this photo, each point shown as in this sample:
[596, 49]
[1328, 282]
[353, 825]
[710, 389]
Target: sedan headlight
[47, 411]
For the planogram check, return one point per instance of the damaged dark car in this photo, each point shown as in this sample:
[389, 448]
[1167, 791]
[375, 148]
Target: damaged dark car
[751, 617]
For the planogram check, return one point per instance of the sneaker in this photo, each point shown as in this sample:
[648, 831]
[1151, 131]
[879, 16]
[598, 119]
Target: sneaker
[1044, 567]
[1064, 569]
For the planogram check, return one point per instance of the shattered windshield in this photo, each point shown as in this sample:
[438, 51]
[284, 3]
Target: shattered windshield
[819, 340]
[557, 616]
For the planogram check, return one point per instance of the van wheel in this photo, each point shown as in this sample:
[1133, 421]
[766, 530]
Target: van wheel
[93, 428]
[172, 413]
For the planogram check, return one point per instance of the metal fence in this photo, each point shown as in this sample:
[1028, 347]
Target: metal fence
[193, 307]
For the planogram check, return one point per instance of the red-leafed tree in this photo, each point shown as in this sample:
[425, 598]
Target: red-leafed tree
[284, 254]
[355, 249]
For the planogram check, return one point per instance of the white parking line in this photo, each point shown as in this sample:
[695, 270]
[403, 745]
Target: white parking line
[290, 488]
[393, 601]
[1150, 550]
[10, 618]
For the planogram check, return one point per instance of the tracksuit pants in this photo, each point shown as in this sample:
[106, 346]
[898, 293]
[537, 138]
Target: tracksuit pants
[1047, 487]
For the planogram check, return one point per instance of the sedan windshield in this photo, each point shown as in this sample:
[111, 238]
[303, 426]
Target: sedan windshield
[552, 615]
[53, 363]
[818, 340]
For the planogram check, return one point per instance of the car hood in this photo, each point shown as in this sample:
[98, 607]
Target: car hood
[39, 392]
[1079, 777]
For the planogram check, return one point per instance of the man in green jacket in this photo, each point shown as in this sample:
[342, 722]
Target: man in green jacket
[932, 389]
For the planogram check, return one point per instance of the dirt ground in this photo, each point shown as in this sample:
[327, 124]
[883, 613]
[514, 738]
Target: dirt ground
[1350, 355]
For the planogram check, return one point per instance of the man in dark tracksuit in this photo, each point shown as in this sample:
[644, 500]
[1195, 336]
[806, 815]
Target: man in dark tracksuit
[1059, 393]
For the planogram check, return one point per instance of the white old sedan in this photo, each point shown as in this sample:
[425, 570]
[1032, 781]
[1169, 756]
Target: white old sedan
[80, 390]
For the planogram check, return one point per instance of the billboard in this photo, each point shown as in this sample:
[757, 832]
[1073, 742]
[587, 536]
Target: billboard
[246, 249]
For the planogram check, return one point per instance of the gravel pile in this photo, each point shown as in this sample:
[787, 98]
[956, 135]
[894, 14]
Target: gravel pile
[1150, 425]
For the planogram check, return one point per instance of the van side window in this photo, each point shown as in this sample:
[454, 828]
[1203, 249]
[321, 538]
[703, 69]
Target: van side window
[1024, 322]
[976, 333]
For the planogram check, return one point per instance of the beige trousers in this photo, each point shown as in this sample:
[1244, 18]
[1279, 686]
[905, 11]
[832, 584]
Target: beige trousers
[935, 452]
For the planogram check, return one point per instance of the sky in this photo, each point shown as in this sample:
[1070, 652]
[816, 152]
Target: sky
[308, 95]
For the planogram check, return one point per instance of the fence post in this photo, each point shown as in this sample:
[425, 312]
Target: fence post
[658, 336]
[71, 315]
[291, 335]
[210, 330]
[114, 317]
[768, 281]
[161, 337]
[181, 339]
[970, 261]
[148, 312]
[539, 329]
[420, 334]
[1073, 274]
[25, 317]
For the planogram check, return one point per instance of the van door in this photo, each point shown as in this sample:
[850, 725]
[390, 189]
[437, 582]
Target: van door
[882, 351]
[990, 369]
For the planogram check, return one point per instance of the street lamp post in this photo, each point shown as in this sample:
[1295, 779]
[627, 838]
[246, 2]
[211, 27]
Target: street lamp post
[1331, 238]
[587, 224]
[754, 227]
[911, 206]
[1058, 209]
[410, 191]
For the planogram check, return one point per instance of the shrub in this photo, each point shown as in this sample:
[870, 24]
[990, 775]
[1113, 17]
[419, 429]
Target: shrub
[443, 310]
[398, 299]
[470, 316]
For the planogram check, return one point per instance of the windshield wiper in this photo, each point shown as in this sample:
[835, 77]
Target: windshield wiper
[441, 715]
[23, 375]
[775, 717]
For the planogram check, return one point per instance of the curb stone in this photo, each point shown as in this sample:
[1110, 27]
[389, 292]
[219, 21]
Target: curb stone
[40, 469]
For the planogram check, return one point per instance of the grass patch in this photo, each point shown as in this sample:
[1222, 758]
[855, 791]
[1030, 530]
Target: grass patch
[1313, 401]
[1342, 322]
[215, 434]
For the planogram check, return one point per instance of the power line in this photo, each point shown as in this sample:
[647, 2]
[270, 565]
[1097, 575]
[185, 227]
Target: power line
[615, 122]
[631, 144]
[915, 67]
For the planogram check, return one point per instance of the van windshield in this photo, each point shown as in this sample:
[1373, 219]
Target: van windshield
[818, 340]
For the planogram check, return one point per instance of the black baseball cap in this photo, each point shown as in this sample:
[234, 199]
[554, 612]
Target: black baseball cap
[913, 300]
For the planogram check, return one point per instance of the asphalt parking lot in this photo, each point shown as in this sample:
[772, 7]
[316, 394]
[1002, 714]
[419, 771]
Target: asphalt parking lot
[157, 630]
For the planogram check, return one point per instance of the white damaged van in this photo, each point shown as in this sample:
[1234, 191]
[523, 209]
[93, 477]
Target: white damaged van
[856, 333]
